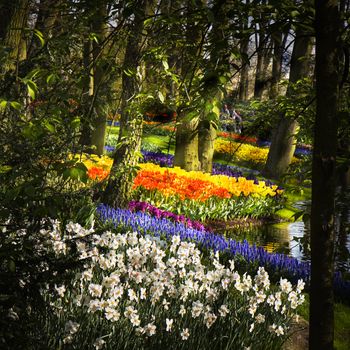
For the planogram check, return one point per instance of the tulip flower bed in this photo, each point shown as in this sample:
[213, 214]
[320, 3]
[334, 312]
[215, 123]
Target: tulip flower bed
[98, 167]
[205, 197]
[195, 194]
[243, 152]
[166, 160]
[238, 137]
[138, 291]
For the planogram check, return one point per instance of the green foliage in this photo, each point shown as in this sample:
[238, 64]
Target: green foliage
[298, 105]
[39, 178]
[213, 208]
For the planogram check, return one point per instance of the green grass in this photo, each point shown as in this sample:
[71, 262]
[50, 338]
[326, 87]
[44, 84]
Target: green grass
[342, 327]
[341, 323]
[161, 142]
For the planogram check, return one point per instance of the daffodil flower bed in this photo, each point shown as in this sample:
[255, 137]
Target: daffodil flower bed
[140, 292]
[243, 152]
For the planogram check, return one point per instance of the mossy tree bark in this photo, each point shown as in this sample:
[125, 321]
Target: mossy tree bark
[186, 138]
[186, 151]
[279, 43]
[48, 15]
[327, 25]
[11, 31]
[283, 138]
[99, 28]
[244, 72]
[263, 55]
[125, 159]
[215, 77]
[206, 138]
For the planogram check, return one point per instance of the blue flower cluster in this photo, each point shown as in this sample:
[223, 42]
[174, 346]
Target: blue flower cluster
[273, 262]
[299, 151]
[162, 159]
[141, 221]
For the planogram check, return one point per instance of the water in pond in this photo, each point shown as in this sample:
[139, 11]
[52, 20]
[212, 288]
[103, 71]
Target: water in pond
[293, 238]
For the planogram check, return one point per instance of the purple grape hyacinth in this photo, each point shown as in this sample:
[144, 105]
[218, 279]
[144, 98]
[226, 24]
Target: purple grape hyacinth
[158, 213]
[275, 262]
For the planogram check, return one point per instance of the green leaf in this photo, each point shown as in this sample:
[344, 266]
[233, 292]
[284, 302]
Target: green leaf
[75, 173]
[32, 88]
[3, 104]
[16, 105]
[51, 78]
[27, 131]
[93, 37]
[129, 72]
[5, 169]
[75, 123]
[147, 21]
[165, 64]
[161, 97]
[208, 106]
[49, 126]
[40, 36]
[81, 166]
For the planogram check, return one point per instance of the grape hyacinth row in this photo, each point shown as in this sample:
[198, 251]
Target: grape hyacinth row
[135, 206]
[144, 222]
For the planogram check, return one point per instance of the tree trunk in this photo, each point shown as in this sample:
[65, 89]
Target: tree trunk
[12, 31]
[186, 140]
[99, 27]
[217, 67]
[327, 26]
[243, 90]
[119, 188]
[276, 64]
[244, 72]
[186, 151]
[263, 60]
[207, 136]
[283, 139]
[87, 96]
[47, 16]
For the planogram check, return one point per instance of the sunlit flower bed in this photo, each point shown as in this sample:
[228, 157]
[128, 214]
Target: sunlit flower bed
[162, 227]
[142, 292]
[205, 197]
[197, 185]
[237, 137]
[243, 152]
[197, 195]
[98, 167]
[275, 263]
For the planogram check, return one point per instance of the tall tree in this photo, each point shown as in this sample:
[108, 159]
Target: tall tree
[99, 66]
[12, 30]
[216, 74]
[94, 76]
[327, 24]
[263, 48]
[186, 150]
[279, 42]
[125, 158]
[283, 139]
[244, 46]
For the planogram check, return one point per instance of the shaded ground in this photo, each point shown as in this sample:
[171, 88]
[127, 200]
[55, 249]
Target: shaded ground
[300, 338]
